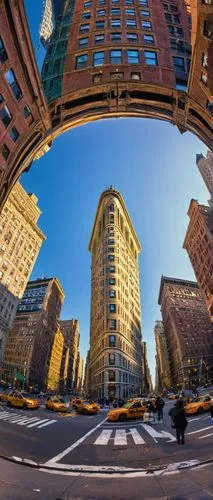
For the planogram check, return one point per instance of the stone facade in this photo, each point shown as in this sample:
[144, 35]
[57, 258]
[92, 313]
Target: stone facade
[199, 246]
[30, 341]
[188, 331]
[115, 324]
[20, 243]
[103, 60]
[55, 361]
[163, 379]
[70, 329]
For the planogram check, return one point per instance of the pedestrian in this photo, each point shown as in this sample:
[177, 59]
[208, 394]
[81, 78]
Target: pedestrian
[179, 421]
[159, 404]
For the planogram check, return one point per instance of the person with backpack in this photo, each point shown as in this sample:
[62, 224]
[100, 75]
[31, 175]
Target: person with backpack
[159, 404]
[179, 421]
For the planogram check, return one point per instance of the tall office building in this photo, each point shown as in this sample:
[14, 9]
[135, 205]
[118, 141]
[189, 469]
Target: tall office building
[115, 326]
[188, 331]
[163, 377]
[20, 243]
[29, 345]
[55, 362]
[205, 166]
[199, 246]
[70, 330]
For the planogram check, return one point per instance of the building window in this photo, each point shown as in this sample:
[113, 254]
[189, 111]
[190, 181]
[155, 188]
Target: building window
[99, 39]
[111, 375]
[112, 324]
[143, 2]
[3, 53]
[112, 294]
[97, 78]
[111, 281]
[101, 12]
[149, 39]
[145, 13]
[111, 359]
[111, 242]
[135, 76]
[1, 98]
[111, 269]
[100, 25]
[5, 151]
[86, 15]
[111, 208]
[168, 17]
[112, 308]
[181, 85]
[112, 340]
[115, 37]
[84, 27]
[130, 23]
[179, 31]
[11, 80]
[87, 4]
[179, 64]
[130, 12]
[115, 58]
[132, 37]
[115, 12]
[133, 56]
[81, 61]
[98, 58]
[150, 58]
[83, 42]
[101, 2]
[111, 258]
[115, 23]
[14, 134]
[5, 116]
[146, 25]
[26, 111]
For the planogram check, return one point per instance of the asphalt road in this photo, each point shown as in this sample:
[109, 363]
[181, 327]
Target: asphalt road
[91, 442]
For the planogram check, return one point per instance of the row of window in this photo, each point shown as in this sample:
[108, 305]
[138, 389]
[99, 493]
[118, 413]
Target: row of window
[116, 37]
[116, 57]
[116, 23]
[88, 3]
[117, 12]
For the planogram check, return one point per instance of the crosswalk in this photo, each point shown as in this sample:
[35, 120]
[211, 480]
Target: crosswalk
[29, 422]
[120, 437]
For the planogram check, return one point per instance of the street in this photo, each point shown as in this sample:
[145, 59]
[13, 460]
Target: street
[67, 440]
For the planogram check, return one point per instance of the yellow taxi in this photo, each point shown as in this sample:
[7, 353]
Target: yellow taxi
[131, 409]
[199, 405]
[22, 400]
[56, 403]
[4, 395]
[74, 402]
[87, 407]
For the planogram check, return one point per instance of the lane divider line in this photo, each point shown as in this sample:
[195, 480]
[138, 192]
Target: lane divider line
[199, 430]
[73, 446]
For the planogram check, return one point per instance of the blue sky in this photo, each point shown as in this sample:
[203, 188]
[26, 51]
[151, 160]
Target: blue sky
[154, 168]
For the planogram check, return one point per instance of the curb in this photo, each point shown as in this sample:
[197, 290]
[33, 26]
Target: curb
[104, 470]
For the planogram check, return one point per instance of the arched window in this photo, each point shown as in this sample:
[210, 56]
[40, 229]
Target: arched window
[111, 207]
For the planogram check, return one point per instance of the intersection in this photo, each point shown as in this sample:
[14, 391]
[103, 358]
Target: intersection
[65, 441]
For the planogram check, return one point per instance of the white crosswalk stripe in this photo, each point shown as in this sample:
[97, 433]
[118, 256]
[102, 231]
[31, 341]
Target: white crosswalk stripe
[104, 437]
[23, 420]
[120, 437]
[137, 438]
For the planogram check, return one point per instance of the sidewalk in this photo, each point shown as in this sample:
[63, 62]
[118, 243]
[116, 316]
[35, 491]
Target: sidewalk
[24, 483]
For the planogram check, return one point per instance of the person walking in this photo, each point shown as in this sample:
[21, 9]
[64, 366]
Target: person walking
[179, 421]
[159, 404]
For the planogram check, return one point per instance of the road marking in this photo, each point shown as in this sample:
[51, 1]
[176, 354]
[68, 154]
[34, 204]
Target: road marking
[120, 437]
[156, 435]
[73, 446]
[104, 437]
[137, 438]
[194, 419]
[27, 421]
[207, 435]
[38, 422]
[47, 423]
[199, 430]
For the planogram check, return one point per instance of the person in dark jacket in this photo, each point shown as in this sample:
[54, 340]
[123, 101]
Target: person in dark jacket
[159, 404]
[179, 420]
